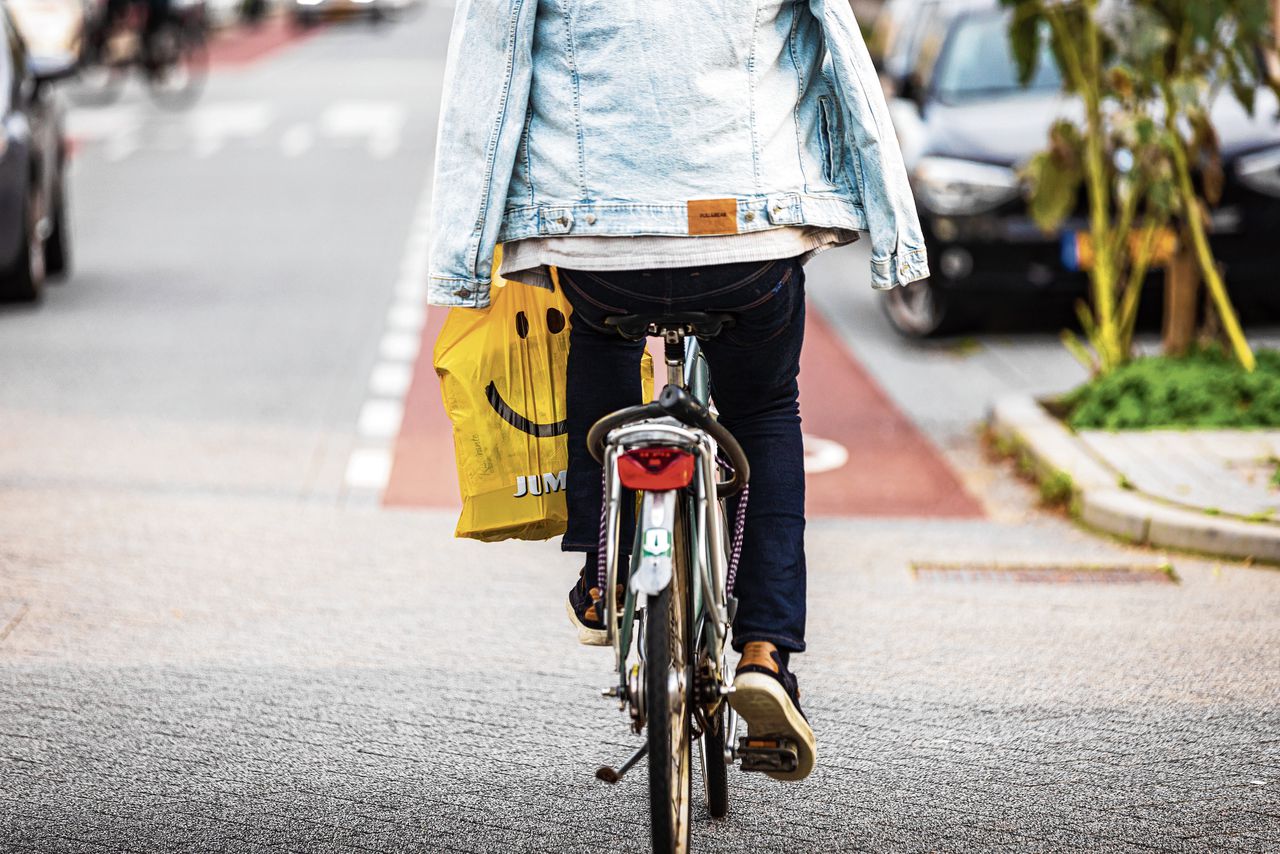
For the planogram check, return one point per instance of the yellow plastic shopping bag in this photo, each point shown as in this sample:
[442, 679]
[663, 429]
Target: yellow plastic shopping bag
[502, 374]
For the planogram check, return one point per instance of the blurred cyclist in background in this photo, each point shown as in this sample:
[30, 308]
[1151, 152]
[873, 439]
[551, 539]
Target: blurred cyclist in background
[673, 157]
[155, 13]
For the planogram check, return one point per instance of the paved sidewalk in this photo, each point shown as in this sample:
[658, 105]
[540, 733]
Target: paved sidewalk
[1223, 471]
[1209, 491]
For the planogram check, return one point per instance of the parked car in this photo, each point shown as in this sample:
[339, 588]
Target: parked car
[34, 233]
[309, 12]
[967, 126]
[892, 40]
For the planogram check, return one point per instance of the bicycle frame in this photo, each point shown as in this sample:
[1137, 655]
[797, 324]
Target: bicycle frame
[705, 538]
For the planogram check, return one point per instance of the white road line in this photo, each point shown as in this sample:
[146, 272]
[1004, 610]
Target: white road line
[407, 316]
[213, 124]
[118, 128]
[415, 275]
[297, 140]
[390, 379]
[381, 416]
[121, 146]
[413, 288]
[378, 123]
[377, 126]
[380, 419]
[369, 468]
[399, 346]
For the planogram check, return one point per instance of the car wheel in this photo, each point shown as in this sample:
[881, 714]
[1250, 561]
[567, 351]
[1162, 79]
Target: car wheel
[24, 281]
[922, 310]
[57, 249]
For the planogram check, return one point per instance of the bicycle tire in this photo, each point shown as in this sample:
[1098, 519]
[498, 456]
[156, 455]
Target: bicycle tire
[667, 712]
[97, 85]
[184, 59]
[715, 771]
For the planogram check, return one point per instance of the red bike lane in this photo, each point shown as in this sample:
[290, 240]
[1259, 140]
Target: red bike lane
[242, 45]
[891, 470]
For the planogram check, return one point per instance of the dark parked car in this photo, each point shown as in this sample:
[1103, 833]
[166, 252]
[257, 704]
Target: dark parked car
[307, 13]
[966, 126]
[34, 236]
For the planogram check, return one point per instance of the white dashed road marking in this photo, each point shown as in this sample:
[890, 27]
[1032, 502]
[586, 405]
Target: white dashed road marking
[213, 124]
[407, 315]
[380, 419]
[378, 124]
[297, 140]
[103, 124]
[123, 130]
[369, 467]
[391, 379]
[399, 346]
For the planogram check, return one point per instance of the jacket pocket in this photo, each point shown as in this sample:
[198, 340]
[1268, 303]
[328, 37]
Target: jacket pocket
[829, 138]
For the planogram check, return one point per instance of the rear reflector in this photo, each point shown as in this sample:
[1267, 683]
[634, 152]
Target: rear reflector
[655, 469]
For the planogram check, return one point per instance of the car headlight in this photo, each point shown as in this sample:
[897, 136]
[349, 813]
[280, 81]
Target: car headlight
[952, 187]
[1260, 171]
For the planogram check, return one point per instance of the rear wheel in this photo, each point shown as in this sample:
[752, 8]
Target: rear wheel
[176, 60]
[24, 280]
[715, 771]
[99, 83]
[923, 310]
[667, 687]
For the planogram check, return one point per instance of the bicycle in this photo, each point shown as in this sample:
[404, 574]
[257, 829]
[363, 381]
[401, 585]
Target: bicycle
[172, 55]
[679, 586]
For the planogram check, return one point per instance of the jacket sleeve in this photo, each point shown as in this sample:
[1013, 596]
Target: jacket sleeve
[897, 243]
[486, 94]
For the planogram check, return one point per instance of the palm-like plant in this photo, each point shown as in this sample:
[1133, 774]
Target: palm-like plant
[1146, 154]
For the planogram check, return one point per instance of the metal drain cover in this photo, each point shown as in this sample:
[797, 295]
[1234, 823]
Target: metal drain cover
[1045, 573]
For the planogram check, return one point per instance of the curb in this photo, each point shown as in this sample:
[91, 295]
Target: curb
[1099, 501]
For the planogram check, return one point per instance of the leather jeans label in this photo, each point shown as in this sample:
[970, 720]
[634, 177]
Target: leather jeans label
[713, 216]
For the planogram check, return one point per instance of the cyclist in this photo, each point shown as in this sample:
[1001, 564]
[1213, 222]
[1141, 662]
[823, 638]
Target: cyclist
[156, 13]
[671, 156]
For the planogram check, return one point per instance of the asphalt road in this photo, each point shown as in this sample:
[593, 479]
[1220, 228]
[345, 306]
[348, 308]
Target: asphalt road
[214, 635]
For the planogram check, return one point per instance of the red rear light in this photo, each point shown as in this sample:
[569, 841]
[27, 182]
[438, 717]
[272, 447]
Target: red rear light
[656, 469]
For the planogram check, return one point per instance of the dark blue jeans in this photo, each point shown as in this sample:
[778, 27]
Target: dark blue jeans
[754, 368]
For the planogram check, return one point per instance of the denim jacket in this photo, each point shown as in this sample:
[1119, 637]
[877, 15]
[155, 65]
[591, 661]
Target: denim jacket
[629, 117]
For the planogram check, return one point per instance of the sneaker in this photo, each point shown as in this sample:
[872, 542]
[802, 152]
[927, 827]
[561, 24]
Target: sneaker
[586, 611]
[766, 696]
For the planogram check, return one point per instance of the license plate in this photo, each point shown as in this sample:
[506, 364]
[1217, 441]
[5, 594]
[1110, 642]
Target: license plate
[1078, 254]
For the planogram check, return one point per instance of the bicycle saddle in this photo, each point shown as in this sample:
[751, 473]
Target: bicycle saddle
[699, 323]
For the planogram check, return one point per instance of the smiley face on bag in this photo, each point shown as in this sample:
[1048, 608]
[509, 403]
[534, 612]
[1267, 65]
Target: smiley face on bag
[527, 400]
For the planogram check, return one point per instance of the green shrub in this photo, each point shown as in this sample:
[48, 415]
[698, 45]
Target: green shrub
[1056, 489]
[1202, 389]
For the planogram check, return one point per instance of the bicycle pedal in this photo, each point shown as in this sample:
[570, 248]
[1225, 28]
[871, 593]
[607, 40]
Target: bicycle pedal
[766, 754]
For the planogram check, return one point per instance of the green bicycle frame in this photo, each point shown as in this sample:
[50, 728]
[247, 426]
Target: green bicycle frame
[705, 534]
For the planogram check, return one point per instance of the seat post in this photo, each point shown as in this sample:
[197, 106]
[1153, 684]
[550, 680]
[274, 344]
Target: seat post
[673, 353]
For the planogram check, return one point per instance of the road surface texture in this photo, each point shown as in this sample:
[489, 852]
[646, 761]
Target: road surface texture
[233, 618]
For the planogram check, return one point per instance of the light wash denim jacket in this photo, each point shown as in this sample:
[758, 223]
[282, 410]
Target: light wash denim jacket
[609, 117]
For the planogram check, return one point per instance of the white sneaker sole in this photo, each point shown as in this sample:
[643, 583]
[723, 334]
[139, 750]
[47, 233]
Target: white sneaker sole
[763, 703]
[587, 636]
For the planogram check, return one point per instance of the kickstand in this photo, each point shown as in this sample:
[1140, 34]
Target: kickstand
[613, 775]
